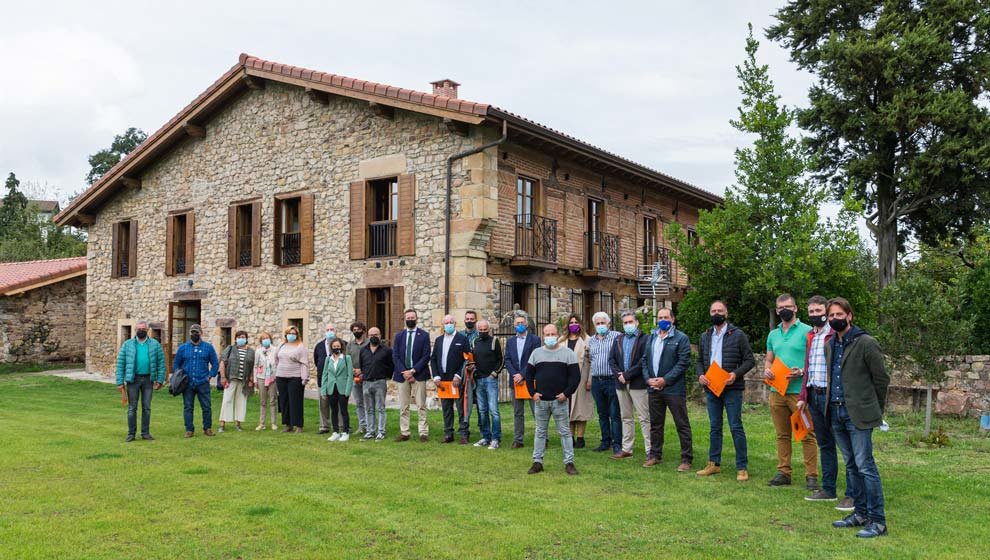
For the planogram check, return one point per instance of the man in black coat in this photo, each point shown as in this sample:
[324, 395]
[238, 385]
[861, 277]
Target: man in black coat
[447, 363]
[626, 362]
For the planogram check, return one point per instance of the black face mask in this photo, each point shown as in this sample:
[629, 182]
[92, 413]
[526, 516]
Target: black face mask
[469, 325]
[336, 350]
[410, 323]
[785, 315]
[375, 341]
[718, 319]
[358, 334]
[142, 334]
[484, 336]
[818, 320]
[838, 325]
[194, 337]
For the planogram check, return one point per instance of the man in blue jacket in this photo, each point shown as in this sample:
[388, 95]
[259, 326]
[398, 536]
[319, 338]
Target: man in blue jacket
[141, 367]
[199, 360]
[411, 358]
[447, 363]
[517, 352]
[666, 360]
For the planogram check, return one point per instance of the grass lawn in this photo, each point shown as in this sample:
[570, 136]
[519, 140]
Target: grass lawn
[37, 366]
[71, 488]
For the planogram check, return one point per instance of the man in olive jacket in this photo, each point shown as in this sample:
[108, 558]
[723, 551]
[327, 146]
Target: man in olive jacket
[856, 391]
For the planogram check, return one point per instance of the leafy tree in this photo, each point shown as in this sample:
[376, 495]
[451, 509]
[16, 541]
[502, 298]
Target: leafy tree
[23, 237]
[13, 213]
[103, 160]
[898, 117]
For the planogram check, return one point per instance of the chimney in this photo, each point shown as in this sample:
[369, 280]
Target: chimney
[445, 88]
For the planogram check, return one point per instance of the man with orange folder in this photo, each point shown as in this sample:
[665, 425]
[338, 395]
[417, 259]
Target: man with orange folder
[447, 363]
[727, 345]
[788, 343]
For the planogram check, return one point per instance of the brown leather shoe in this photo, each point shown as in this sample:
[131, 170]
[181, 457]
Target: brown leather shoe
[536, 468]
[402, 438]
[684, 467]
[570, 469]
[424, 439]
[710, 469]
[464, 441]
[742, 476]
[189, 434]
[286, 429]
[621, 455]
[447, 439]
[516, 445]
[651, 462]
[208, 432]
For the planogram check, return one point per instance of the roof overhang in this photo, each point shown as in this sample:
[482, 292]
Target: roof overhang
[41, 282]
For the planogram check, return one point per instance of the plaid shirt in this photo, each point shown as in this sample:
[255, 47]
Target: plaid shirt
[599, 348]
[817, 368]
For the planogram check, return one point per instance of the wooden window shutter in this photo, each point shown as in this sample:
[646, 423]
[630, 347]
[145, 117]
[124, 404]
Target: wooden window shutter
[256, 233]
[358, 218]
[306, 228]
[277, 234]
[115, 251]
[132, 250]
[190, 242]
[397, 319]
[361, 306]
[231, 236]
[170, 246]
[406, 227]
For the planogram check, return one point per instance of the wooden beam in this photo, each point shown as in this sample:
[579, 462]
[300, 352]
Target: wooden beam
[317, 96]
[457, 127]
[131, 182]
[85, 219]
[194, 130]
[254, 83]
[384, 111]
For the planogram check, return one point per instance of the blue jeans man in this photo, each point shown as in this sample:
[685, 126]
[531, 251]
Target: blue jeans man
[609, 420]
[561, 413]
[489, 417]
[201, 392]
[818, 409]
[862, 476]
[731, 403]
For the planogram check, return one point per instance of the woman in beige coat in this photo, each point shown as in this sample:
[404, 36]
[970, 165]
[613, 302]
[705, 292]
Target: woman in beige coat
[582, 405]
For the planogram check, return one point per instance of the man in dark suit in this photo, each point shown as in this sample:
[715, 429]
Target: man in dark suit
[665, 362]
[625, 360]
[411, 357]
[447, 363]
[517, 352]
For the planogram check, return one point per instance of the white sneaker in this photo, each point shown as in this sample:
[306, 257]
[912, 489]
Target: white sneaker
[481, 443]
[334, 437]
[494, 444]
[260, 428]
[380, 437]
[345, 436]
[368, 435]
[274, 426]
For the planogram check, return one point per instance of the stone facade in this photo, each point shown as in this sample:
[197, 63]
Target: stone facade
[46, 324]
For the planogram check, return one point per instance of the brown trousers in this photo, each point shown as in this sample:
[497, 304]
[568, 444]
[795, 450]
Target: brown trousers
[781, 408]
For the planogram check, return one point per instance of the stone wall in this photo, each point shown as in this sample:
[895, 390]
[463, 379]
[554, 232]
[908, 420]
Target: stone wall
[47, 324]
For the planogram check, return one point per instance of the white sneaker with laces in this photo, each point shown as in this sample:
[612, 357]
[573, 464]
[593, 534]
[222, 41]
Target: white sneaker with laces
[334, 437]
[481, 443]
[345, 436]
[494, 444]
[380, 437]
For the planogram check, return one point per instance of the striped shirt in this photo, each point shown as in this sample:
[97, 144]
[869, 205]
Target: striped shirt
[599, 348]
[817, 368]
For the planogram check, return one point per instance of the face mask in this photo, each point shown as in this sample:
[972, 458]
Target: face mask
[630, 329]
[575, 328]
[786, 315]
[266, 343]
[410, 323]
[520, 329]
[550, 341]
[665, 325]
[469, 325]
[241, 341]
[142, 333]
[375, 340]
[194, 337]
[838, 325]
[484, 336]
[336, 350]
[818, 320]
[448, 328]
[358, 334]
[331, 335]
[601, 329]
[290, 337]
[718, 319]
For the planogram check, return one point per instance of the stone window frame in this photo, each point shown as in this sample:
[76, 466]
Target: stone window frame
[291, 315]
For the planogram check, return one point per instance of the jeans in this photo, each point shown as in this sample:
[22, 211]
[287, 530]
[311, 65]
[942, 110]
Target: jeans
[143, 387]
[561, 413]
[818, 409]
[490, 421]
[202, 392]
[862, 477]
[374, 406]
[659, 403]
[731, 402]
[607, 404]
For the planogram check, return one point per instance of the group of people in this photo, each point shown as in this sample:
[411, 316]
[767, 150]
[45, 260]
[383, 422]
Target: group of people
[836, 374]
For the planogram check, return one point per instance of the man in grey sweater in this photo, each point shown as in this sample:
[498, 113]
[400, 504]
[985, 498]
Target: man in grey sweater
[552, 376]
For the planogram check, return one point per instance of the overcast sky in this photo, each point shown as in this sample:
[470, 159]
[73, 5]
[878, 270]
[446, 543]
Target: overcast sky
[652, 81]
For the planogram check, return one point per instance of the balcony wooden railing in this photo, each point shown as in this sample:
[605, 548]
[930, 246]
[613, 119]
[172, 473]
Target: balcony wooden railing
[536, 238]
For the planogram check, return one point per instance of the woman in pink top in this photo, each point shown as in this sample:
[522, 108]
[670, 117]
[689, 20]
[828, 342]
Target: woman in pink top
[291, 375]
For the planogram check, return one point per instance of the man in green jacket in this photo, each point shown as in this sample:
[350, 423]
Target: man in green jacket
[856, 391]
[141, 368]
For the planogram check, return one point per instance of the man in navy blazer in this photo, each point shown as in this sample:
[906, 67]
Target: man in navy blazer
[447, 363]
[411, 356]
[667, 358]
[517, 351]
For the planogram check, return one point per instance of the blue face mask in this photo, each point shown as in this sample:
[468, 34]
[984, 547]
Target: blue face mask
[520, 329]
[665, 325]
[290, 337]
[266, 343]
[331, 335]
[448, 328]
[630, 329]
[241, 341]
[601, 329]
[550, 341]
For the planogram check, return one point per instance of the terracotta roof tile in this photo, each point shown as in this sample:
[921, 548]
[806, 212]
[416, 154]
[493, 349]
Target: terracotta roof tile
[19, 274]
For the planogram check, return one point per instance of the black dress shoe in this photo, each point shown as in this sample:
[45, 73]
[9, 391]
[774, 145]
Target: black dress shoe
[872, 530]
[851, 520]
[147, 437]
[130, 438]
[579, 443]
[324, 431]
[780, 479]
[811, 483]
[536, 468]
[602, 447]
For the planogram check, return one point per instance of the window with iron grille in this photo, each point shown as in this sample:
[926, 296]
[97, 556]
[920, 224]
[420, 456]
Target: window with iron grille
[383, 217]
[289, 238]
[542, 315]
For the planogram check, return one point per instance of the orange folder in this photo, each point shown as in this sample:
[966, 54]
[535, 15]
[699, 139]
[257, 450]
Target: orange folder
[780, 372]
[522, 392]
[717, 378]
[446, 390]
[801, 424]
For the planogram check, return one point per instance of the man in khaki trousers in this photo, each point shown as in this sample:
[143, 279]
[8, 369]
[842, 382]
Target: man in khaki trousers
[411, 357]
[625, 361]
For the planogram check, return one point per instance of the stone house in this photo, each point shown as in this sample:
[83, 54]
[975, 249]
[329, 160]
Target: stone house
[43, 311]
[283, 195]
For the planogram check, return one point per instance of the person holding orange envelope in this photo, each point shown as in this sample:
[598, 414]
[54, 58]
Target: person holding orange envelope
[448, 367]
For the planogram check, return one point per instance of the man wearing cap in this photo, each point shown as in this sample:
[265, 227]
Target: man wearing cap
[141, 368]
[199, 360]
